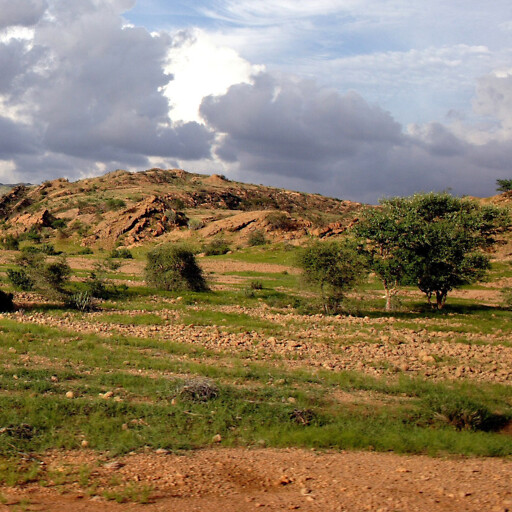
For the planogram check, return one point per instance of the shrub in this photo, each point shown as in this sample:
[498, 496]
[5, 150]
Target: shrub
[256, 284]
[20, 280]
[121, 252]
[33, 234]
[198, 390]
[49, 279]
[98, 285]
[506, 294]
[6, 303]
[114, 204]
[216, 247]
[279, 220]
[10, 243]
[195, 224]
[85, 250]
[59, 223]
[49, 249]
[464, 414]
[257, 238]
[334, 267]
[174, 268]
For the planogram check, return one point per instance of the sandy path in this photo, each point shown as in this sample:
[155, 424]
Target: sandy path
[226, 480]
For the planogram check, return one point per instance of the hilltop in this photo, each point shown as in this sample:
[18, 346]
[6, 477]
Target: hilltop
[132, 208]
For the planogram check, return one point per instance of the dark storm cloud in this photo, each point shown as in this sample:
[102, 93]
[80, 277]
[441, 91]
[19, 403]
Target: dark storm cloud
[295, 124]
[16, 139]
[21, 12]
[303, 136]
[94, 92]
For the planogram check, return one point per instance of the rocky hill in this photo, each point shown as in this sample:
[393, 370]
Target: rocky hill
[131, 208]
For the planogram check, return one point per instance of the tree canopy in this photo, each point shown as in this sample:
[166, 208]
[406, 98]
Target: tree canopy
[434, 240]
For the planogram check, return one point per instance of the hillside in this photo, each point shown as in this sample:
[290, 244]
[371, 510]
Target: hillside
[166, 204]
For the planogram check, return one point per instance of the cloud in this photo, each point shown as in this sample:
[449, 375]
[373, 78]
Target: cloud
[21, 12]
[92, 89]
[200, 68]
[297, 134]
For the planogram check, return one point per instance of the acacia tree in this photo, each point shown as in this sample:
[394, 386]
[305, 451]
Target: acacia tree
[434, 240]
[334, 267]
[380, 231]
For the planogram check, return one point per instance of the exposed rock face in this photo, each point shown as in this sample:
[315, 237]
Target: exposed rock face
[149, 218]
[135, 207]
[25, 222]
[14, 201]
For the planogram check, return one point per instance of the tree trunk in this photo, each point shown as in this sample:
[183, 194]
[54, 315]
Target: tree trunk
[440, 299]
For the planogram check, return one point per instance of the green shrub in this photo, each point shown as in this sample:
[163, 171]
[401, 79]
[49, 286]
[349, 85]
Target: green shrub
[464, 414]
[174, 268]
[114, 204]
[333, 267]
[195, 224]
[85, 250]
[59, 223]
[48, 278]
[216, 247]
[49, 249]
[98, 285]
[257, 238]
[10, 243]
[33, 234]
[121, 252]
[506, 293]
[20, 280]
[6, 303]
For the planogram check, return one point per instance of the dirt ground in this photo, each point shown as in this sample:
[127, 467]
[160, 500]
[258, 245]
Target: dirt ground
[225, 480]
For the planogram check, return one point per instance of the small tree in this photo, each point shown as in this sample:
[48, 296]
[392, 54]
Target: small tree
[504, 185]
[48, 278]
[173, 268]
[380, 232]
[439, 240]
[334, 267]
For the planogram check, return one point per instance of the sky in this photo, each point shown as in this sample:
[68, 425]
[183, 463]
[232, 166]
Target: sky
[356, 99]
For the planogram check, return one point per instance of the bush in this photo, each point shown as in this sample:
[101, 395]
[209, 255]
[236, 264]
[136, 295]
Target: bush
[10, 243]
[98, 285]
[59, 223]
[216, 247]
[174, 268]
[85, 250]
[279, 220]
[198, 390]
[20, 280]
[195, 224]
[50, 279]
[334, 267]
[121, 252]
[6, 303]
[256, 284]
[114, 204]
[257, 238]
[464, 414]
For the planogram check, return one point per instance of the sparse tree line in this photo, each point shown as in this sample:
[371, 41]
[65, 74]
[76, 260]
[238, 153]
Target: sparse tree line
[434, 241]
